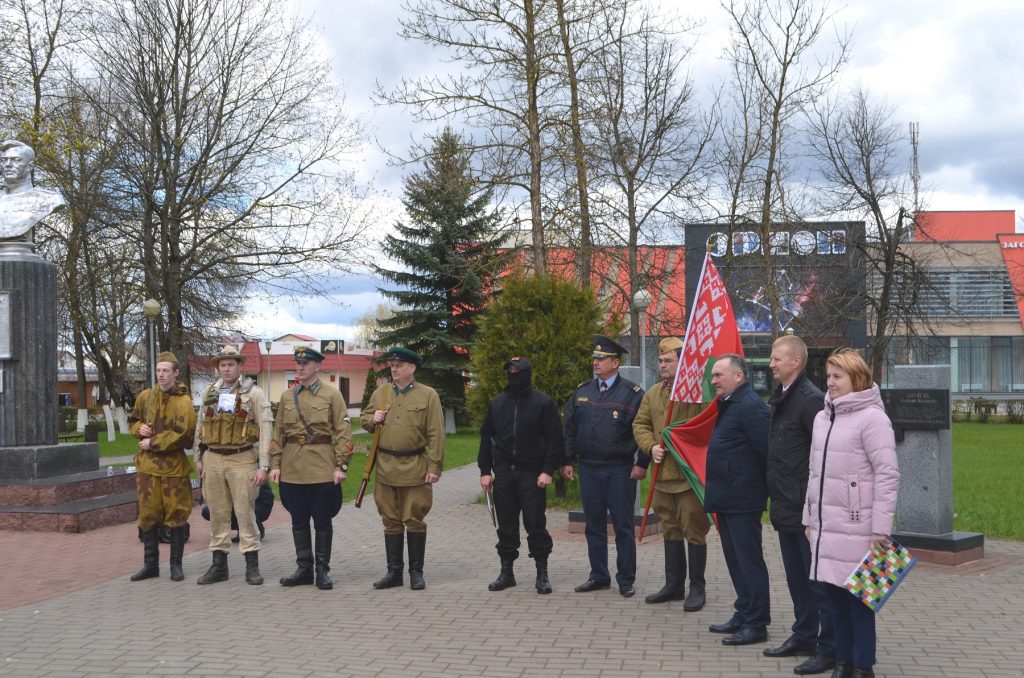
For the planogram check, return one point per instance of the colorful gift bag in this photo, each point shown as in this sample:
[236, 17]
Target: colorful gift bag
[875, 579]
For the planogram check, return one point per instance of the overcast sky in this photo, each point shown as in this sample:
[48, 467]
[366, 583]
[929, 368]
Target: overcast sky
[954, 67]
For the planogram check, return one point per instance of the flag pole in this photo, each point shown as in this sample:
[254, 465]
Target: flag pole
[671, 401]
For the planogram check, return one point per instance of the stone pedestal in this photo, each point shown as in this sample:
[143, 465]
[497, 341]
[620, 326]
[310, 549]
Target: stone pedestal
[924, 511]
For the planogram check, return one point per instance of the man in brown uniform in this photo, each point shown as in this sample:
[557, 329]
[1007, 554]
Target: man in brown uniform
[165, 424]
[681, 514]
[309, 456]
[410, 455]
[234, 427]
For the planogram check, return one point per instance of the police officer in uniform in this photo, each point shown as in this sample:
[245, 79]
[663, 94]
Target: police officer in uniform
[684, 525]
[521, 447]
[233, 435]
[599, 431]
[165, 424]
[309, 455]
[410, 456]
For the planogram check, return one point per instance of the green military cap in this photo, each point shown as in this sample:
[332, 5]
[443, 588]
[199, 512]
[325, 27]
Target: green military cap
[404, 355]
[167, 357]
[307, 353]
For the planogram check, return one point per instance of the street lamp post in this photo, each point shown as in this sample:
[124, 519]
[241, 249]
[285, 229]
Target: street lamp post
[267, 344]
[151, 308]
[641, 302]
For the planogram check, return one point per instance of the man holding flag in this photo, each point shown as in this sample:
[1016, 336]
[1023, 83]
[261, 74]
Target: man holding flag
[684, 525]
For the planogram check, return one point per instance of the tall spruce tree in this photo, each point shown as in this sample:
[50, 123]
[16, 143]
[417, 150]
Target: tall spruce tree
[449, 250]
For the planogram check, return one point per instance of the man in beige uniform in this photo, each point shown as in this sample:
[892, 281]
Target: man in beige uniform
[681, 514]
[410, 455]
[235, 424]
[309, 456]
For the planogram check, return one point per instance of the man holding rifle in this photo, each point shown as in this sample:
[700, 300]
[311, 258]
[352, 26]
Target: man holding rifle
[684, 524]
[309, 455]
[521, 446]
[410, 456]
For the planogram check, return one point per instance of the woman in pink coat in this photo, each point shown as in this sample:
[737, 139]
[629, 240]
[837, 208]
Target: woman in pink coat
[851, 499]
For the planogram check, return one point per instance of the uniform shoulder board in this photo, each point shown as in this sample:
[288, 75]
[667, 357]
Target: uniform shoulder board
[636, 388]
[583, 383]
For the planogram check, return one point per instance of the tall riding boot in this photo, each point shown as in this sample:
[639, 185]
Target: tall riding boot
[150, 556]
[218, 571]
[543, 585]
[506, 578]
[675, 573]
[252, 568]
[323, 560]
[393, 547]
[417, 550]
[303, 576]
[177, 551]
[698, 561]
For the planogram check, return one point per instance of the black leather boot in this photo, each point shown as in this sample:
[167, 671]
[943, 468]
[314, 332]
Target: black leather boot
[303, 575]
[252, 568]
[218, 570]
[675, 574]
[323, 560]
[869, 672]
[506, 578]
[393, 546]
[417, 551]
[150, 556]
[842, 670]
[177, 551]
[543, 585]
[698, 561]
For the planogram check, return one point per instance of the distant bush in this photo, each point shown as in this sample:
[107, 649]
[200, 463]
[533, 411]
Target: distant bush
[962, 410]
[1014, 411]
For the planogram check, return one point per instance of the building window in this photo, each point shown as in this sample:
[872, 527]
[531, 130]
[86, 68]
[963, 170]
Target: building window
[968, 292]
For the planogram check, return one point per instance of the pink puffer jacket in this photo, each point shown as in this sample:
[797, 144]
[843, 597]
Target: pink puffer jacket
[854, 480]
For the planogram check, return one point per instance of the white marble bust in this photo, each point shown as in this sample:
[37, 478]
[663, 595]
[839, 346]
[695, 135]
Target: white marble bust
[22, 206]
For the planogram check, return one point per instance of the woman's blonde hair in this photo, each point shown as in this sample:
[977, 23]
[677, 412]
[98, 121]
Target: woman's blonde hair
[849, 360]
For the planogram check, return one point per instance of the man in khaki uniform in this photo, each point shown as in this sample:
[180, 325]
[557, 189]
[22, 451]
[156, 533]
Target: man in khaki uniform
[165, 424]
[684, 525]
[410, 455]
[309, 455]
[234, 427]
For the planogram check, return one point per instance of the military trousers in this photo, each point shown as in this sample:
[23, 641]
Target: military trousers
[227, 486]
[516, 492]
[403, 508]
[318, 502]
[163, 500]
[682, 516]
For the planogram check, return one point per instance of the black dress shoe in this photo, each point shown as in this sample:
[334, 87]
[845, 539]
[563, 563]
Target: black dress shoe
[746, 636]
[627, 591]
[592, 585]
[863, 673]
[732, 626]
[816, 664]
[791, 648]
[842, 670]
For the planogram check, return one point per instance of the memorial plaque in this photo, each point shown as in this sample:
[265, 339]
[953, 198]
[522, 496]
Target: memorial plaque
[5, 325]
[917, 409]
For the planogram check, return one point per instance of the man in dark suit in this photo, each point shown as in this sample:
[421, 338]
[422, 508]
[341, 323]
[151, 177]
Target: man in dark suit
[737, 492]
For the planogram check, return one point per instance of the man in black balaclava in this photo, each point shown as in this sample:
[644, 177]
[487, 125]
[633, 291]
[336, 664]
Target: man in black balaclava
[521, 447]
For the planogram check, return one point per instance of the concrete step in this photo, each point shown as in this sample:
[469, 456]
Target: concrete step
[72, 516]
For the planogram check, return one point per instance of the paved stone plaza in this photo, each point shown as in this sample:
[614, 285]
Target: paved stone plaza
[67, 609]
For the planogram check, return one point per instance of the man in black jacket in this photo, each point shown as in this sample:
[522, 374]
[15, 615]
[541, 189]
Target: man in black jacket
[599, 431]
[794, 404]
[737, 493]
[520, 449]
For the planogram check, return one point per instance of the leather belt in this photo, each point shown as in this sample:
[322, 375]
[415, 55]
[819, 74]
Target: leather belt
[227, 451]
[399, 453]
[303, 439]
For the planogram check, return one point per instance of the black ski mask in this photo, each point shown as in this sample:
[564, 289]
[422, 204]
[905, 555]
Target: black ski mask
[519, 382]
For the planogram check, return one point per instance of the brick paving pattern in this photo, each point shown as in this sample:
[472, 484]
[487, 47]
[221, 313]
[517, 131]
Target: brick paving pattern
[68, 610]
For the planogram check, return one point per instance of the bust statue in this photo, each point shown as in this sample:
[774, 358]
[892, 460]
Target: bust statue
[22, 206]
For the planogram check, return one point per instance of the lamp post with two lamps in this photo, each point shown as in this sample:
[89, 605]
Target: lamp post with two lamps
[641, 302]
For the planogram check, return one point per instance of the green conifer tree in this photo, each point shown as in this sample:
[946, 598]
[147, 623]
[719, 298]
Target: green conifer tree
[449, 252]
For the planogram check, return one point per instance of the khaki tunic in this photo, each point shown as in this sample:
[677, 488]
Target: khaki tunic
[647, 428]
[414, 420]
[326, 412]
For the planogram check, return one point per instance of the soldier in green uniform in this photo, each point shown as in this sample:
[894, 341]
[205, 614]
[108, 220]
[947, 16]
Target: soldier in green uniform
[309, 455]
[165, 424]
[410, 455]
[233, 434]
[684, 525]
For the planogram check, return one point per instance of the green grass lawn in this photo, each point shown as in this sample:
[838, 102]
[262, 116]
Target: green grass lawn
[988, 479]
[123, 445]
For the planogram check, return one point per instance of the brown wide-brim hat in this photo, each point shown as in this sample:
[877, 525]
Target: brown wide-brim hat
[229, 352]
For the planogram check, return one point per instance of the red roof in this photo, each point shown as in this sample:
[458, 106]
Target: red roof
[284, 362]
[963, 226]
